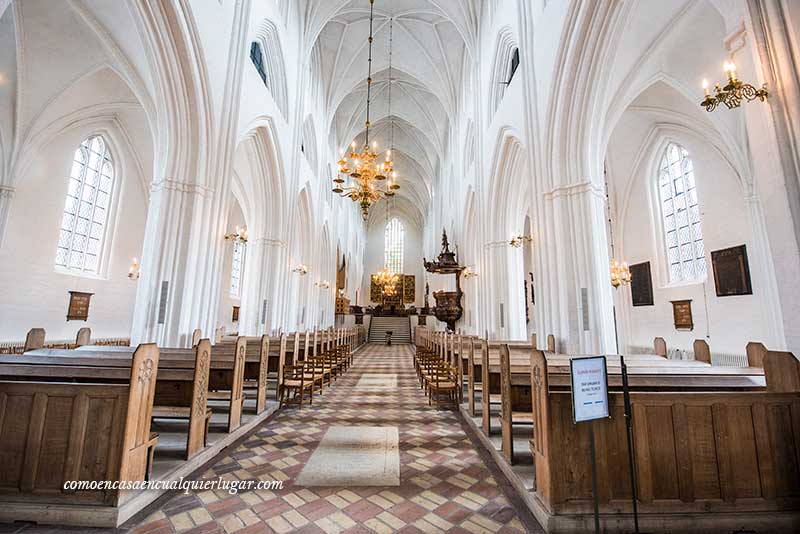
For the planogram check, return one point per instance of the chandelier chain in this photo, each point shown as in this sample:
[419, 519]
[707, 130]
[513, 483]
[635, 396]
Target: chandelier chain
[369, 71]
[391, 118]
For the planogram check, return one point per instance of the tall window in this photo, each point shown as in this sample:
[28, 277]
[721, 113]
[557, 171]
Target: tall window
[83, 226]
[257, 57]
[236, 268]
[514, 64]
[681, 216]
[394, 241]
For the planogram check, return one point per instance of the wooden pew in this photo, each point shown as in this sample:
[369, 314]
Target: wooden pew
[515, 408]
[181, 386]
[256, 368]
[709, 440]
[55, 431]
[226, 377]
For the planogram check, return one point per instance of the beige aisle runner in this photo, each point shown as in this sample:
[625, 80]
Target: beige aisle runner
[354, 456]
[377, 380]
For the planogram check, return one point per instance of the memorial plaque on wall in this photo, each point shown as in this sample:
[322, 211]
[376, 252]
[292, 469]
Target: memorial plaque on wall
[731, 271]
[641, 284]
[78, 306]
[682, 314]
[235, 316]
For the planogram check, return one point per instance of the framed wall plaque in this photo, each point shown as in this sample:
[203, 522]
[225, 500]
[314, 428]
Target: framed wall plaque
[682, 314]
[235, 316]
[78, 306]
[641, 284]
[731, 271]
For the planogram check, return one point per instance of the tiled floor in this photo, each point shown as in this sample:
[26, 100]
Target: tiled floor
[444, 484]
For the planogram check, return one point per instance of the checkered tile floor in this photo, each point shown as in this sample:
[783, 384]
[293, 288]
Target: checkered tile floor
[445, 486]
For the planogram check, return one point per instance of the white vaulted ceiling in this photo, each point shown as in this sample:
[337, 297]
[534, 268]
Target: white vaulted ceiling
[432, 43]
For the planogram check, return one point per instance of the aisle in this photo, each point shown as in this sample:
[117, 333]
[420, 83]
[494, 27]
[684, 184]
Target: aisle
[444, 484]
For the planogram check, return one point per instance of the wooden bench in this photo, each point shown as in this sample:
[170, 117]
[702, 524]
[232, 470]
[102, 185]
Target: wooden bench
[718, 447]
[181, 386]
[226, 375]
[256, 367]
[56, 431]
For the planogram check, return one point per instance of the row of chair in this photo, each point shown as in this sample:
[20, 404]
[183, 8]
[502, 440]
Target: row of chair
[310, 376]
[438, 376]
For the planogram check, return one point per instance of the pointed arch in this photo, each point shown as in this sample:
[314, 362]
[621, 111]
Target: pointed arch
[274, 69]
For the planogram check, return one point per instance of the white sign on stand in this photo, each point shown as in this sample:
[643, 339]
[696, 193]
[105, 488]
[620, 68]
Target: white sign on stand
[589, 388]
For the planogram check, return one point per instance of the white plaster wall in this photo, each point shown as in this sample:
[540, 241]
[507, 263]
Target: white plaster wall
[32, 293]
[726, 323]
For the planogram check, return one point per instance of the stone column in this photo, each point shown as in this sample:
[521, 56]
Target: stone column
[177, 262]
[6, 196]
[262, 276]
[584, 310]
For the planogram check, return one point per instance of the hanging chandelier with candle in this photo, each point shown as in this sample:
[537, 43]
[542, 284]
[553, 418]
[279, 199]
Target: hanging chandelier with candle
[365, 168]
[734, 93]
[620, 273]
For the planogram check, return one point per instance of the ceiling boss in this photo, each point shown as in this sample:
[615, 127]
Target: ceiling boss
[365, 168]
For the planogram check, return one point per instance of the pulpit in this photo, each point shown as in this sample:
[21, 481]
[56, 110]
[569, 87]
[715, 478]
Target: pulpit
[448, 303]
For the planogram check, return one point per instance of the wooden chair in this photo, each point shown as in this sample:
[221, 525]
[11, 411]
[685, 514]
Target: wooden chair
[294, 381]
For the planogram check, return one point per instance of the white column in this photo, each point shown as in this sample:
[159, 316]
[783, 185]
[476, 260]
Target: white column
[177, 261]
[261, 278]
[584, 310]
[6, 196]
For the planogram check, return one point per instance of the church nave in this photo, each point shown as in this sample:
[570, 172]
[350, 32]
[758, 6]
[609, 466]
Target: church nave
[444, 485]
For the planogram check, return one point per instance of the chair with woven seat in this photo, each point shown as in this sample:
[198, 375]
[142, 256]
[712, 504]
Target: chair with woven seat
[295, 381]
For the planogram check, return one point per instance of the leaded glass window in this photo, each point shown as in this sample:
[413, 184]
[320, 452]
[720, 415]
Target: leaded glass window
[680, 211]
[394, 236]
[236, 268]
[83, 225]
[257, 57]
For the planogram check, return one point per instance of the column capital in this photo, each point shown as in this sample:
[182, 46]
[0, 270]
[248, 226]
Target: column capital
[169, 184]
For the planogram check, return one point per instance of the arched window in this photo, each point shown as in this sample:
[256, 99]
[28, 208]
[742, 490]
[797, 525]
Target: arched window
[83, 226]
[514, 64]
[236, 268]
[680, 212]
[394, 242]
[257, 57]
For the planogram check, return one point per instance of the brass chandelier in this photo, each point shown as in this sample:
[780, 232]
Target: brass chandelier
[364, 167]
[734, 92]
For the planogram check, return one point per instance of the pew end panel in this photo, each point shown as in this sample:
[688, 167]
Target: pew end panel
[84, 337]
[263, 370]
[782, 372]
[34, 339]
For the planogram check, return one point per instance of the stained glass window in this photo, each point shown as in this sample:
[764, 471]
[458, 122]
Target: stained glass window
[83, 225]
[394, 241]
[681, 216]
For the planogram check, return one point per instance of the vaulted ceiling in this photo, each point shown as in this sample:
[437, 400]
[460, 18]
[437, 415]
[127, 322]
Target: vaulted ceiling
[432, 42]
